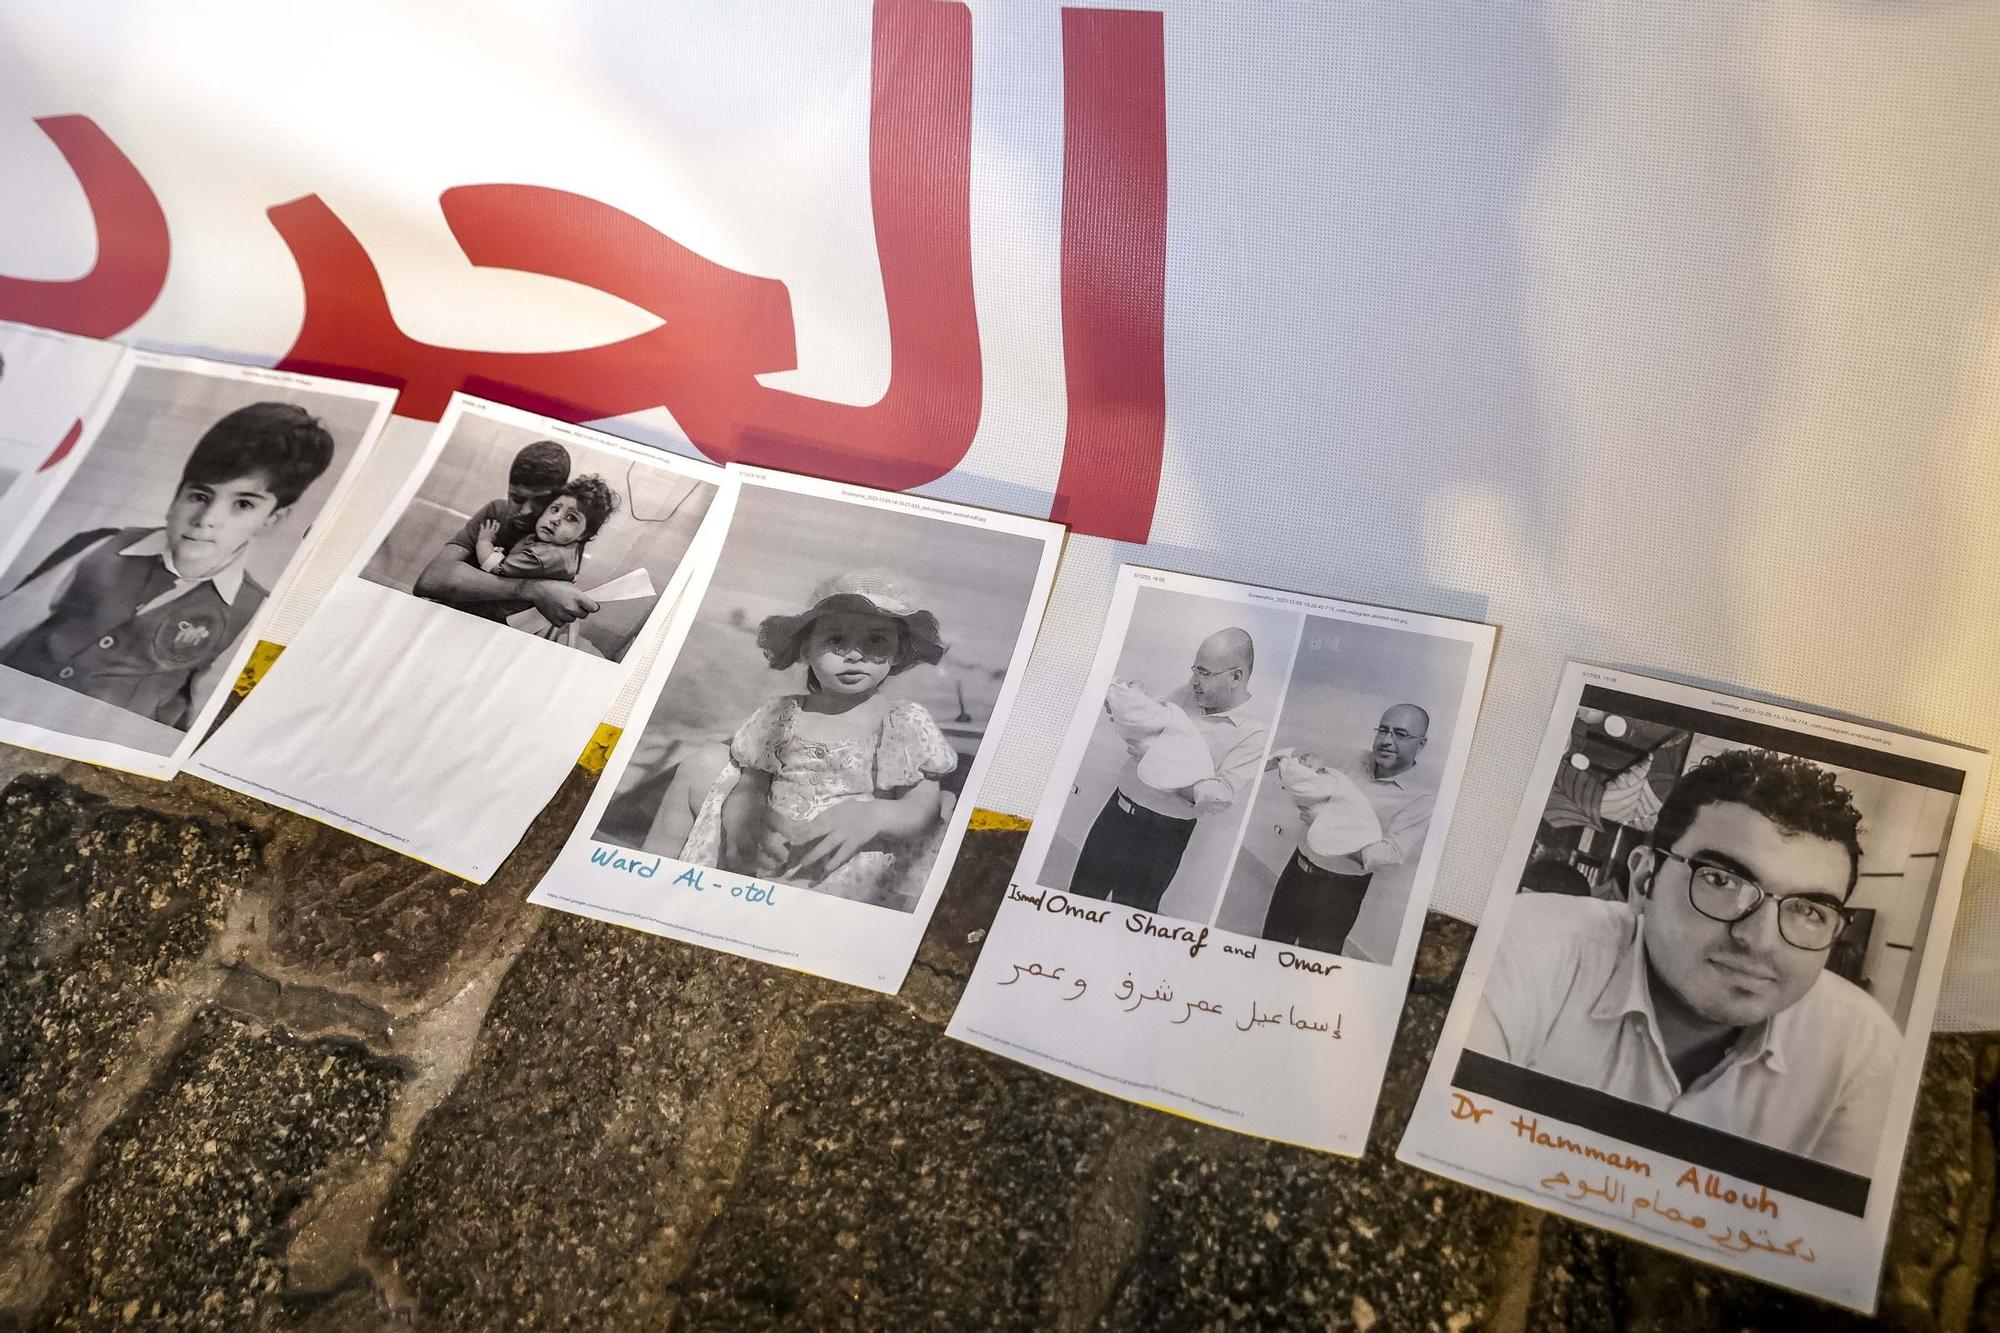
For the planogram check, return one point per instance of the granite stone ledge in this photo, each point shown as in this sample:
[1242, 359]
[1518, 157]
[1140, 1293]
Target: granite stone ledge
[1262, 1235]
[1985, 1296]
[616, 1083]
[971, 898]
[105, 907]
[649, 1134]
[362, 917]
[183, 1217]
[301, 1007]
[902, 1180]
[1577, 1283]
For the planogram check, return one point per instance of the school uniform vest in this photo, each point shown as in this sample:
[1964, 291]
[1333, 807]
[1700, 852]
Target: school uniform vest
[96, 640]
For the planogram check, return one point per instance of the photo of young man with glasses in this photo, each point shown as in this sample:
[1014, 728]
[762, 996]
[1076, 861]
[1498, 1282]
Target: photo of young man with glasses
[1707, 994]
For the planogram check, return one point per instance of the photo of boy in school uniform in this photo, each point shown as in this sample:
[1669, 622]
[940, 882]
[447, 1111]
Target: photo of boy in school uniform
[144, 617]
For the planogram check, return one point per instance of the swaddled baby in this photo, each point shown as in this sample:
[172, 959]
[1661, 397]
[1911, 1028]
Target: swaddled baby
[1339, 820]
[1172, 754]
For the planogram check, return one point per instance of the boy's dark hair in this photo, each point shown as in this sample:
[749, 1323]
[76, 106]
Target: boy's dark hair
[594, 496]
[541, 466]
[281, 442]
[1795, 794]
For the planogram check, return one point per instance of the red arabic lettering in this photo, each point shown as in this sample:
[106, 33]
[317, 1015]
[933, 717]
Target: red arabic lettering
[132, 246]
[1114, 270]
[63, 446]
[722, 329]
[349, 331]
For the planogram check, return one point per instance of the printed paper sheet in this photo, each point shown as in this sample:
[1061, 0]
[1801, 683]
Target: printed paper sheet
[49, 382]
[426, 704]
[815, 729]
[140, 570]
[1225, 928]
[1697, 1006]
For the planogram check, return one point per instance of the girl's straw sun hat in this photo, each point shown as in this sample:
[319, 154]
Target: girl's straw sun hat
[869, 591]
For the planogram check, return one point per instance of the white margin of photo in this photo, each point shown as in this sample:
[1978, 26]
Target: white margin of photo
[1332, 1114]
[143, 763]
[1434, 1132]
[892, 936]
[689, 576]
[18, 502]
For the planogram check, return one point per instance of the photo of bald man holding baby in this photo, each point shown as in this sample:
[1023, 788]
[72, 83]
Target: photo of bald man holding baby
[1136, 844]
[1319, 895]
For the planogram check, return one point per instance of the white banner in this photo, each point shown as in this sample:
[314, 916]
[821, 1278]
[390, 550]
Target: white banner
[1658, 338]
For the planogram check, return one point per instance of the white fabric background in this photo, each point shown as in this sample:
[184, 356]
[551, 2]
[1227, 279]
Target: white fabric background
[1666, 336]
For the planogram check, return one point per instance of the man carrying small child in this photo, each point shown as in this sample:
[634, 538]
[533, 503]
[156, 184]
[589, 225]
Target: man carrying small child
[455, 575]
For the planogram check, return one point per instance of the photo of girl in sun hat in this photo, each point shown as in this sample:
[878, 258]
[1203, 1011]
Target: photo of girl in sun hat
[848, 777]
[818, 726]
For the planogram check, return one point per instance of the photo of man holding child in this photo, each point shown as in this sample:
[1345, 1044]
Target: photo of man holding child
[826, 707]
[557, 539]
[122, 613]
[1158, 801]
[1343, 806]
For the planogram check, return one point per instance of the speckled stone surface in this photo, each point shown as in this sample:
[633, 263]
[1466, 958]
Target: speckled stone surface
[902, 1181]
[1578, 1280]
[182, 1221]
[262, 1075]
[368, 917]
[616, 1079]
[102, 907]
[1282, 1238]
[952, 941]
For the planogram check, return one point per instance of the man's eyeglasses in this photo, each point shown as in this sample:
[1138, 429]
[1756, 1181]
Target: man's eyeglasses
[1200, 674]
[1400, 733]
[1810, 921]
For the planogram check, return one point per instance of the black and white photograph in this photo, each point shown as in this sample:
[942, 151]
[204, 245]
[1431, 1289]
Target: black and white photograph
[426, 724]
[1716, 941]
[552, 537]
[1183, 730]
[1343, 807]
[806, 750]
[829, 699]
[1756, 899]
[1149, 950]
[128, 601]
